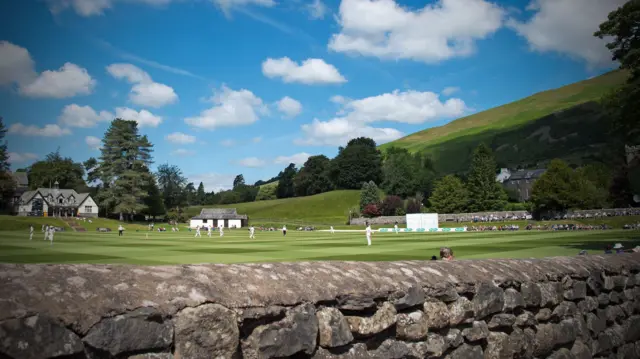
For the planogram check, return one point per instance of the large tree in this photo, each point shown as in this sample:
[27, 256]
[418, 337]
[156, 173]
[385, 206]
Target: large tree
[359, 162]
[286, 187]
[7, 182]
[123, 168]
[561, 188]
[200, 194]
[449, 195]
[405, 174]
[369, 194]
[485, 193]
[172, 184]
[154, 202]
[54, 167]
[238, 181]
[313, 177]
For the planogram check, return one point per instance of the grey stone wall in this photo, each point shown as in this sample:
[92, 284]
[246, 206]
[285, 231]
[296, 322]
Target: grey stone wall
[564, 307]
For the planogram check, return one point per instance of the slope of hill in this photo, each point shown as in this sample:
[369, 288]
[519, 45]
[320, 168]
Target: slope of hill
[326, 208]
[566, 122]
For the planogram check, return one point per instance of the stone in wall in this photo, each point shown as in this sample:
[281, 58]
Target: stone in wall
[384, 318]
[143, 329]
[333, 328]
[206, 331]
[412, 326]
[489, 299]
[297, 332]
[37, 337]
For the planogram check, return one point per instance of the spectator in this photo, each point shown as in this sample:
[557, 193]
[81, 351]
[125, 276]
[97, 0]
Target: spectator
[619, 248]
[446, 254]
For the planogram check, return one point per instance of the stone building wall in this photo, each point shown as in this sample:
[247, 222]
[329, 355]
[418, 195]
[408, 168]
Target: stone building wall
[564, 307]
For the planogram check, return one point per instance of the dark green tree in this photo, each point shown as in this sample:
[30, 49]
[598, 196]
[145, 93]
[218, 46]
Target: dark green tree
[557, 190]
[485, 193]
[238, 181]
[154, 202]
[399, 173]
[313, 177]
[369, 194]
[200, 194]
[172, 184]
[54, 167]
[7, 182]
[286, 187]
[450, 195]
[190, 193]
[123, 168]
[359, 162]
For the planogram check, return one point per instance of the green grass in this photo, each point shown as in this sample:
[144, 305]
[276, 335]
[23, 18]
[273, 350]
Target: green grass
[508, 128]
[236, 247]
[326, 208]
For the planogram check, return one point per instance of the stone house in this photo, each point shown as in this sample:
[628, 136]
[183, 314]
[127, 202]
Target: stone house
[521, 182]
[55, 202]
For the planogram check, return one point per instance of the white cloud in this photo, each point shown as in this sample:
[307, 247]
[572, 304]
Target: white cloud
[252, 162]
[298, 159]
[144, 118]
[290, 107]
[17, 157]
[228, 143]
[82, 116]
[213, 181]
[181, 152]
[310, 72]
[339, 131]
[180, 138]
[567, 26]
[227, 5]
[17, 67]
[411, 107]
[436, 32]
[93, 142]
[338, 99]
[32, 130]
[317, 9]
[232, 108]
[89, 8]
[145, 92]
[448, 91]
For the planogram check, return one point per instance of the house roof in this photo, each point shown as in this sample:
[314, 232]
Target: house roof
[21, 178]
[45, 192]
[219, 213]
[526, 174]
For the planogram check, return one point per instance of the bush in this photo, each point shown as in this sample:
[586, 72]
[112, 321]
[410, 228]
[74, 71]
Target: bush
[370, 211]
[516, 207]
[400, 212]
[413, 206]
[390, 204]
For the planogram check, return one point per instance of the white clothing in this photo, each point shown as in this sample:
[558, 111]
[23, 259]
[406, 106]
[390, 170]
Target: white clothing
[252, 233]
[396, 228]
[332, 230]
[31, 233]
[209, 231]
[221, 231]
[198, 232]
[368, 235]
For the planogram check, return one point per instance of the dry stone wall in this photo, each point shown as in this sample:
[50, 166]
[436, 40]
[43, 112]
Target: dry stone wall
[564, 307]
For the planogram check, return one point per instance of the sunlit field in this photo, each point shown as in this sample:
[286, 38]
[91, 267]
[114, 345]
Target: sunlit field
[182, 248]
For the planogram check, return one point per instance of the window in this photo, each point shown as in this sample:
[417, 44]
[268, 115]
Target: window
[60, 201]
[204, 220]
[87, 209]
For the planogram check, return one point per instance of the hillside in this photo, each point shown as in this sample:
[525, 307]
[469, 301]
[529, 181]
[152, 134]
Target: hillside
[566, 122]
[326, 208]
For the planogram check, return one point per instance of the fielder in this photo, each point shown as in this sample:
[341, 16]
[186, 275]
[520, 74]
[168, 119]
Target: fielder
[332, 232]
[31, 232]
[284, 230]
[252, 232]
[46, 232]
[368, 231]
[221, 230]
[198, 232]
[52, 230]
[395, 227]
[209, 231]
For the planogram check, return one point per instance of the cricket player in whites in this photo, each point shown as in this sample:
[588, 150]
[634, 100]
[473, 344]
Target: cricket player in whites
[31, 232]
[395, 227]
[332, 231]
[52, 230]
[252, 233]
[209, 231]
[368, 231]
[198, 232]
[221, 228]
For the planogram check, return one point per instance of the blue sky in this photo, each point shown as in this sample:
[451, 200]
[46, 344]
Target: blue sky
[223, 87]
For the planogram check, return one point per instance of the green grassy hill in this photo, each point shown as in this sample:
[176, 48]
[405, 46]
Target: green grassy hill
[566, 122]
[326, 208]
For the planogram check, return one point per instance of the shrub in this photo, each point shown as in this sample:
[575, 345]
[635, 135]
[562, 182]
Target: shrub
[413, 206]
[400, 212]
[370, 211]
[390, 204]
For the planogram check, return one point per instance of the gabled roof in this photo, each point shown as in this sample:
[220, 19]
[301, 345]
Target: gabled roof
[526, 174]
[45, 192]
[219, 213]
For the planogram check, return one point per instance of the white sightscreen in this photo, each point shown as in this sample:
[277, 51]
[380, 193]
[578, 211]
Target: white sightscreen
[422, 220]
